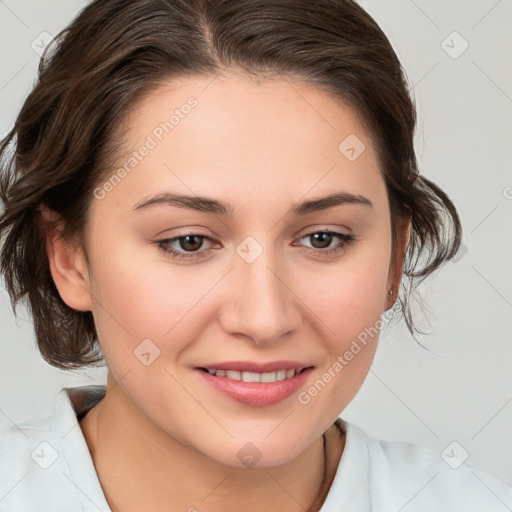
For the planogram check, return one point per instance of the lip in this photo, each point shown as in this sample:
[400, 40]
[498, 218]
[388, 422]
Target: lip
[256, 394]
[253, 366]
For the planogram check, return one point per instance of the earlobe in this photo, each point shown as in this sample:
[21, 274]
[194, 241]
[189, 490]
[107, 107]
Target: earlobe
[395, 269]
[67, 262]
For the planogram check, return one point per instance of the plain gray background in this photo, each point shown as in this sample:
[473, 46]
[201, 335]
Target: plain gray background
[464, 140]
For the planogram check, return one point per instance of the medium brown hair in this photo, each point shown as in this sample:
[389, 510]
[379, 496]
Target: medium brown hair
[67, 134]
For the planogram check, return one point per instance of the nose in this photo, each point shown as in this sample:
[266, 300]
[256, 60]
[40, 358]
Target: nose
[260, 303]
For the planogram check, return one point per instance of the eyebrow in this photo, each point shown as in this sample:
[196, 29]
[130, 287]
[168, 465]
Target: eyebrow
[209, 205]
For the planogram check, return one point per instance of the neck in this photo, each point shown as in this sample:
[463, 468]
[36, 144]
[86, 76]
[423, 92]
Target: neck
[140, 467]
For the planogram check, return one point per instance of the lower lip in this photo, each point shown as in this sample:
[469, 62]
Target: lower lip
[257, 394]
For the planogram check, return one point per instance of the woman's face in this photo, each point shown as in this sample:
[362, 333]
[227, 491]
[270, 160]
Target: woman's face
[256, 282]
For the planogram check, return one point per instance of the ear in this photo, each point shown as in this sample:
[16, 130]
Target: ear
[67, 263]
[397, 261]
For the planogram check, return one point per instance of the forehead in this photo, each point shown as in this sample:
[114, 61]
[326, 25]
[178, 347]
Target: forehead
[234, 103]
[233, 135]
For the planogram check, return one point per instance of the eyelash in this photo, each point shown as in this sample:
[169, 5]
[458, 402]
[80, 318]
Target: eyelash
[346, 240]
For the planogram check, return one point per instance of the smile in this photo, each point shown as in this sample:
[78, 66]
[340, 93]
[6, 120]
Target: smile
[256, 389]
[244, 376]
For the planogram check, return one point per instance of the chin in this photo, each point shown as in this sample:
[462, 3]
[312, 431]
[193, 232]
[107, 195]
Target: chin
[257, 453]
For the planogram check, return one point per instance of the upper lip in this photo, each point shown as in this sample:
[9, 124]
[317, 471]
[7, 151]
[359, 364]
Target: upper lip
[256, 367]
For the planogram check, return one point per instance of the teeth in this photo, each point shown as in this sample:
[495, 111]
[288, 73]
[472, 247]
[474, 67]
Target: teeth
[254, 376]
[269, 377]
[251, 377]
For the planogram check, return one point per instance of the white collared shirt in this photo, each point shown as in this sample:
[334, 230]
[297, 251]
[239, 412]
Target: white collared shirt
[45, 465]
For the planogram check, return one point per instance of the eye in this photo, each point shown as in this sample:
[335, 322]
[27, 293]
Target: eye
[322, 239]
[188, 245]
[191, 242]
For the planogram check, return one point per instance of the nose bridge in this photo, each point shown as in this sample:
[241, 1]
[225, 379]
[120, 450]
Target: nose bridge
[263, 305]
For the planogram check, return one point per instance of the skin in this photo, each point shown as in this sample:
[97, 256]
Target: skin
[162, 439]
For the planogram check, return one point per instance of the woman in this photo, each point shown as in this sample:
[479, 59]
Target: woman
[219, 200]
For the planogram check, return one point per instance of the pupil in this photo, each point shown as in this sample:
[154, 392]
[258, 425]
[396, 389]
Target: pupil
[191, 246]
[316, 236]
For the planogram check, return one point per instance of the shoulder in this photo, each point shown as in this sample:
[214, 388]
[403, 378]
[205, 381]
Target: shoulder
[44, 461]
[426, 479]
[26, 444]
[30, 464]
[402, 475]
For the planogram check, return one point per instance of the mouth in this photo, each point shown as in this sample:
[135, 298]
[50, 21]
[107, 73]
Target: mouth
[273, 383]
[248, 376]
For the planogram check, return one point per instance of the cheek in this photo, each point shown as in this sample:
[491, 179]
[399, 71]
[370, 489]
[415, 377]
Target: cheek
[348, 303]
[139, 296]
[348, 297]
[145, 298]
